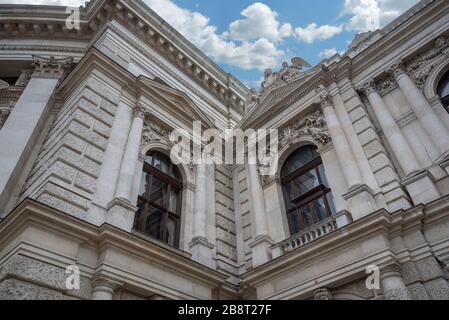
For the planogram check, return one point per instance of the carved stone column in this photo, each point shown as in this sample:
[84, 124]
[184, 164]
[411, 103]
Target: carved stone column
[360, 196]
[417, 181]
[121, 210]
[392, 132]
[348, 164]
[103, 290]
[393, 285]
[431, 123]
[26, 121]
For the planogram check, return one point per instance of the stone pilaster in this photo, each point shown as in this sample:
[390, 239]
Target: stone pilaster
[200, 247]
[416, 180]
[110, 169]
[26, 121]
[121, 211]
[359, 197]
[393, 133]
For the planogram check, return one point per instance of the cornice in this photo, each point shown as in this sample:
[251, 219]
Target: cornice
[49, 22]
[31, 212]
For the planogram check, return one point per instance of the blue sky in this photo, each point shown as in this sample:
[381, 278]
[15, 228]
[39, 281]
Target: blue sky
[245, 37]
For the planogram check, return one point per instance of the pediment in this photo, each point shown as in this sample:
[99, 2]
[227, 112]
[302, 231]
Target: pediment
[179, 102]
[278, 93]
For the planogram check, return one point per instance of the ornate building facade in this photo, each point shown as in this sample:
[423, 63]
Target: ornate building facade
[86, 179]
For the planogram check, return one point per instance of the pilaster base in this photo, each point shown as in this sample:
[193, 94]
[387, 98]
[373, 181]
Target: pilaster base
[361, 202]
[121, 214]
[202, 251]
[261, 250]
[421, 188]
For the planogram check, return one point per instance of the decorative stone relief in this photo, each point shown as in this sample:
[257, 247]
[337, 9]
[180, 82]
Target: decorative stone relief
[421, 77]
[153, 132]
[441, 44]
[385, 84]
[51, 67]
[313, 126]
[323, 294]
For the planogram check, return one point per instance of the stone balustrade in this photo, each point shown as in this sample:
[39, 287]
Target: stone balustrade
[307, 236]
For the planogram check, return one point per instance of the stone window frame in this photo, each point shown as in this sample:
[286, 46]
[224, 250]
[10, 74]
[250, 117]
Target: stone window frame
[173, 182]
[308, 198]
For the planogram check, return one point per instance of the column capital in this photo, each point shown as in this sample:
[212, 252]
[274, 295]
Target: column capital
[397, 69]
[139, 112]
[324, 99]
[51, 67]
[368, 87]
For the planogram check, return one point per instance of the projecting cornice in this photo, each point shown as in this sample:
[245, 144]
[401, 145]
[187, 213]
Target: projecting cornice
[49, 22]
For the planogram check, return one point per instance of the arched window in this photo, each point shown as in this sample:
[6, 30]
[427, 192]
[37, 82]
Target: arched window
[308, 197]
[160, 197]
[443, 91]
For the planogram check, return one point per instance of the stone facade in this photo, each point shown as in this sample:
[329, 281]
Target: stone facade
[87, 105]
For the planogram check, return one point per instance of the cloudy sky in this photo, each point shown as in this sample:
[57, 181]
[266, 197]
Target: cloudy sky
[246, 37]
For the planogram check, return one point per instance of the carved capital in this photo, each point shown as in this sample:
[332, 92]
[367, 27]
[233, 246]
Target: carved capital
[51, 67]
[368, 87]
[325, 100]
[139, 112]
[313, 126]
[397, 69]
[323, 294]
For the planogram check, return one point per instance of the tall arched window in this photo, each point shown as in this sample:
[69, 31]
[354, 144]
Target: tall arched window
[159, 202]
[443, 91]
[308, 197]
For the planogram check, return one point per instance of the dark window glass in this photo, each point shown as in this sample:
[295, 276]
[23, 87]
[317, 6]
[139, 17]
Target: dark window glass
[307, 195]
[160, 192]
[443, 91]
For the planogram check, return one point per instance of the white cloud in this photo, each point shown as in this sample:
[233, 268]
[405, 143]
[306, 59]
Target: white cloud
[368, 15]
[328, 53]
[261, 53]
[260, 22]
[313, 32]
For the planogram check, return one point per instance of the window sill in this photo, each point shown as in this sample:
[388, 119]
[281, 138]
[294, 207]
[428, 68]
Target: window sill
[161, 244]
